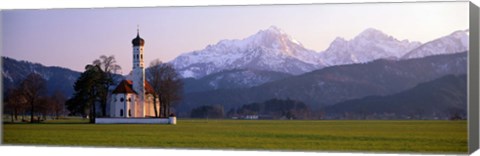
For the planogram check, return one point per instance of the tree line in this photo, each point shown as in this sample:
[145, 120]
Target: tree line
[91, 92]
[270, 109]
[29, 98]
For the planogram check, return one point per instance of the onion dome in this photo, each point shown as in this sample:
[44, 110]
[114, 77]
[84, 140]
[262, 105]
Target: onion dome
[137, 41]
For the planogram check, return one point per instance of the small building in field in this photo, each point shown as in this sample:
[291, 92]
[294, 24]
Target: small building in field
[251, 117]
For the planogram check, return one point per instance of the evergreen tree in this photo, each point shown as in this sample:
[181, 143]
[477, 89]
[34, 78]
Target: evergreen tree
[89, 90]
[108, 66]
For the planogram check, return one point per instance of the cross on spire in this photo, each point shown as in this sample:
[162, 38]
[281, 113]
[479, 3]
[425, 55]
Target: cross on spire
[138, 30]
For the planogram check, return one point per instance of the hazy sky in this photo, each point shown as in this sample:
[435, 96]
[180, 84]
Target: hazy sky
[73, 38]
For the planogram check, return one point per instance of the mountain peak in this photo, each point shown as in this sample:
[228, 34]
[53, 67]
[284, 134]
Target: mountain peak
[269, 49]
[370, 44]
[373, 33]
[453, 43]
[339, 39]
[371, 30]
[273, 37]
[274, 29]
[460, 33]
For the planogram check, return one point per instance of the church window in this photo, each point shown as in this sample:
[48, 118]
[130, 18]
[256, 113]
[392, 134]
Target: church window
[129, 112]
[141, 56]
[129, 99]
[121, 112]
[121, 99]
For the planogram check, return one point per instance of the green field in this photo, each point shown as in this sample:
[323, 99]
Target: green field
[308, 135]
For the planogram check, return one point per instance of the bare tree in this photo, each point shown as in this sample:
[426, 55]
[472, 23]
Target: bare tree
[153, 76]
[57, 104]
[167, 84]
[43, 107]
[32, 88]
[15, 103]
[109, 66]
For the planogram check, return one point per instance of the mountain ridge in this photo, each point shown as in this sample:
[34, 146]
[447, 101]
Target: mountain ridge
[270, 49]
[273, 49]
[58, 78]
[369, 45]
[335, 84]
[453, 43]
[443, 97]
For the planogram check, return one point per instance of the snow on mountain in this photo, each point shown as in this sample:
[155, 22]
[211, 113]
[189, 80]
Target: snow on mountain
[274, 50]
[232, 79]
[269, 50]
[369, 45]
[242, 78]
[453, 43]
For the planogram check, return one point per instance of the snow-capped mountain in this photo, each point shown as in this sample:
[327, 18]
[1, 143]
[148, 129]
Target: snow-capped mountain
[453, 43]
[274, 50]
[232, 79]
[369, 45]
[268, 50]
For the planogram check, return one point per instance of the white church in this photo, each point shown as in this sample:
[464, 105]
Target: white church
[133, 97]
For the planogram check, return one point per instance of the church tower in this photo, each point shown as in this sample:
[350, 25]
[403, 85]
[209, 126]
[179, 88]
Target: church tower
[138, 75]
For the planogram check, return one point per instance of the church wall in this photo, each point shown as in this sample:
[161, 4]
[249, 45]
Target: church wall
[149, 110]
[121, 104]
[131, 105]
[117, 105]
[134, 121]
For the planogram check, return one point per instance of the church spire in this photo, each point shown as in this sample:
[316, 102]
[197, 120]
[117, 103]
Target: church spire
[137, 41]
[138, 75]
[138, 30]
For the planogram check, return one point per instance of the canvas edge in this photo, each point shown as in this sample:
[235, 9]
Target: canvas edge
[473, 77]
[1, 78]
[473, 80]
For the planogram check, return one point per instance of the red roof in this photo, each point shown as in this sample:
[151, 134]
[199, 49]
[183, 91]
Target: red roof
[126, 87]
[149, 88]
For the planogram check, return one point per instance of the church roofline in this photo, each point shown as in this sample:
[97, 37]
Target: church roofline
[125, 87]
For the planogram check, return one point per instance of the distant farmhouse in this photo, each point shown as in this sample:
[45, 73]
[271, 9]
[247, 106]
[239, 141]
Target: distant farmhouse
[133, 97]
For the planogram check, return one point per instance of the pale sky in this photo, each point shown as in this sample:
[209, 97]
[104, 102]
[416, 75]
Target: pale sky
[73, 38]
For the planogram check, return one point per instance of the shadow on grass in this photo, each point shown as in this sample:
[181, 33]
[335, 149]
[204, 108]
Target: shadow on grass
[58, 121]
[44, 123]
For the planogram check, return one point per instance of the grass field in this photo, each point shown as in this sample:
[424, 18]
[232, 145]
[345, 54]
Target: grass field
[373, 136]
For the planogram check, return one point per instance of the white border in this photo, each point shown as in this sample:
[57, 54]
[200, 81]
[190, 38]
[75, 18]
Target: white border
[82, 151]
[49, 4]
